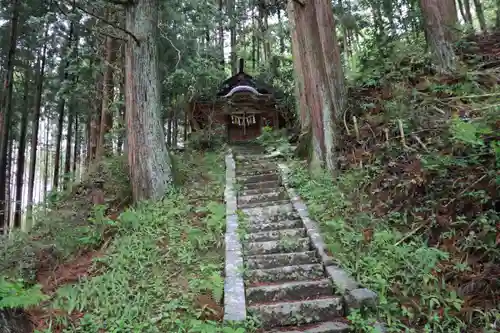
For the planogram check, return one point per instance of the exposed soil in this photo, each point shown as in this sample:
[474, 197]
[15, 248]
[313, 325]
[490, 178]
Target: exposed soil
[435, 200]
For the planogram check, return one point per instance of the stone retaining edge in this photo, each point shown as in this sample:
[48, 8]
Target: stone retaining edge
[354, 295]
[234, 288]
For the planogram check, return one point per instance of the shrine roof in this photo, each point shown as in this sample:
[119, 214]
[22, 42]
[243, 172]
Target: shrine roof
[242, 79]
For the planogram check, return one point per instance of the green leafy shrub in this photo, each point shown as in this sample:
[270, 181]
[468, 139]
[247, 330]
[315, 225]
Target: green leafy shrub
[15, 295]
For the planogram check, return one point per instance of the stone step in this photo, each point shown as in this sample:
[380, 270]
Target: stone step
[265, 261]
[262, 198]
[252, 158]
[254, 165]
[260, 226]
[298, 313]
[290, 291]
[261, 191]
[267, 177]
[261, 185]
[323, 327]
[285, 274]
[289, 245]
[263, 236]
[245, 172]
[269, 212]
[263, 204]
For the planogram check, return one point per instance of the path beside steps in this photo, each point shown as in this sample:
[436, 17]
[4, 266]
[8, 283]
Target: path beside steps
[285, 283]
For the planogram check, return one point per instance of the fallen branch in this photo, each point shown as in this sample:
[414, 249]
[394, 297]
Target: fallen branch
[413, 232]
[420, 142]
[356, 129]
[465, 190]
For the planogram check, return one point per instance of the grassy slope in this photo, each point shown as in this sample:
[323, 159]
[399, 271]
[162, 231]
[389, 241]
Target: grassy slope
[160, 272]
[418, 225]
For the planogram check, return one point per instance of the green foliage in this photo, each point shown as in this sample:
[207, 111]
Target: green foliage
[67, 224]
[399, 268]
[162, 271]
[15, 295]
[275, 140]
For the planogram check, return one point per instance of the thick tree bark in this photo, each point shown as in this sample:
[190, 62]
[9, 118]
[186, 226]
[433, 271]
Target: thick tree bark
[148, 157]
[317, 64]
[5, 115]
[438, 34]
[21, 151]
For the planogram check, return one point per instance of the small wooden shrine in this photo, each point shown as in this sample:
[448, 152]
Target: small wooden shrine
[241, 108]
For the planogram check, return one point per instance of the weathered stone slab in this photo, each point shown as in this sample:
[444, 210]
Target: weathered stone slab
[286, 273]
[297, 313]
[360, 298]
[261, 191]
[281, 259]
[290, 291]
[324, 327]
[261, 185]
[234, 288]
[342, 281]
[263, 236]
[277, 246]
[263, 204]
[262, 197]
[257, 224]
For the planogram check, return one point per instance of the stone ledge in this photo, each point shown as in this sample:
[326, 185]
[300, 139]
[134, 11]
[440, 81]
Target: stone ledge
[234, 288]
[355, 297]
[360, 298]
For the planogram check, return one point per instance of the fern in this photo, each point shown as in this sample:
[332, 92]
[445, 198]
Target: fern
[13, 295]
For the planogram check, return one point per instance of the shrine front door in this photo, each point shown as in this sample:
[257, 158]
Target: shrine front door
[243, 126]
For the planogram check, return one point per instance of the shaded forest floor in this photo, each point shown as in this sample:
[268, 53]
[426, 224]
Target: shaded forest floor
[414, 213]
[103, 267]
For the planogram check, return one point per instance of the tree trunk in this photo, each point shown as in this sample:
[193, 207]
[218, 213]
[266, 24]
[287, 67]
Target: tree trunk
[221, 31]
[35, 127]
[104, 148]
[8, 189]
[462, 11]
[62, 103]
[438, 34]
[76, 149]
[122, 133]
[6, 112]
[95, 121]
[47, 160]
[480, 15]
[497, 24]
[333, 105]
[317, 63]
[148, 157]
[232, 31]
[21, 151]
[468, 14]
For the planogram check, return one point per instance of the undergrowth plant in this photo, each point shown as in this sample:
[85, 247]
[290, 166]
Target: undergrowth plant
[163, 270]
[416, 221]
[16, 295]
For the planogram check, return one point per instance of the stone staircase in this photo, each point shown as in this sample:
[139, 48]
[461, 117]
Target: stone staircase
[286, 285]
